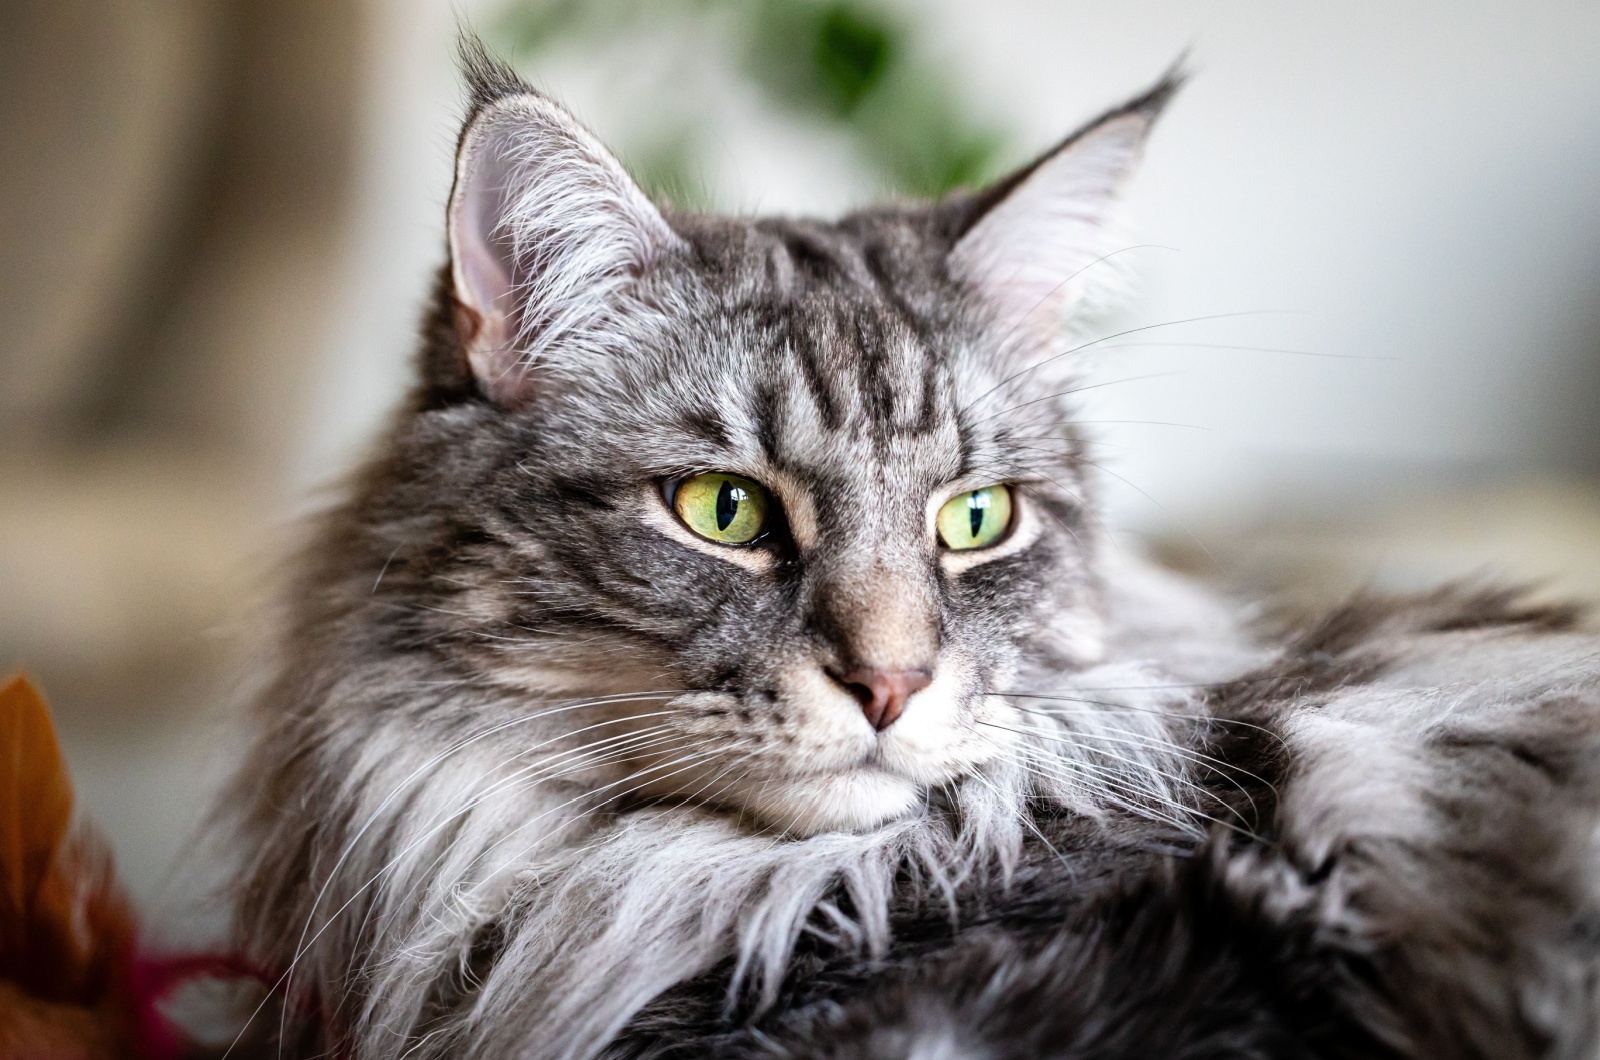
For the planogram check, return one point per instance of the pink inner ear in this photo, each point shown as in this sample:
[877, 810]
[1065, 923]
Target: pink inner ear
[483, 278]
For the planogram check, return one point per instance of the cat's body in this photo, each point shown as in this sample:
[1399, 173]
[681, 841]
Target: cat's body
[1419, 778]
[555, 765]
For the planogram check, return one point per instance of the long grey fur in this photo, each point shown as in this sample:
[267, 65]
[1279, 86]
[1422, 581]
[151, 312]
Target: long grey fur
[526, 778]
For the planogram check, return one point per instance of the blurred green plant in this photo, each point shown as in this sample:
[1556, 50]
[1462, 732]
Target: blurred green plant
[845, 64]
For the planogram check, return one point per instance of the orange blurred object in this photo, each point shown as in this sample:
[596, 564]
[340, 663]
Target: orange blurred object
[66, 930]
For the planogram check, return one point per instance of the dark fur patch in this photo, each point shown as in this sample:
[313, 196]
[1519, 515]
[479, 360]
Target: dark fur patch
[1172, 965]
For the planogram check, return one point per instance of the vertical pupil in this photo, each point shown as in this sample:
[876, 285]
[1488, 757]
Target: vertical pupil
[728, 498]
[977, 508]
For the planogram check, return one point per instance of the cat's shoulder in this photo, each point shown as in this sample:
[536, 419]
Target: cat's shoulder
[1450, 656]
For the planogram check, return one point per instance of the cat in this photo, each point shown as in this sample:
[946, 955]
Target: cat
[721, 657]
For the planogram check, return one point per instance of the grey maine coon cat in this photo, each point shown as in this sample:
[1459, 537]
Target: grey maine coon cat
[719, 658]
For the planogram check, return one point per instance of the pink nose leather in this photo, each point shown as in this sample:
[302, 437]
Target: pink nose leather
[883, 693]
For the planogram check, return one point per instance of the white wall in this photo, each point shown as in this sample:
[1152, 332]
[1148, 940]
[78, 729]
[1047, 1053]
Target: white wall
[1413, 190]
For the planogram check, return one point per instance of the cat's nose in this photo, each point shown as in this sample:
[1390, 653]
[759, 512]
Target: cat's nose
[883, 693]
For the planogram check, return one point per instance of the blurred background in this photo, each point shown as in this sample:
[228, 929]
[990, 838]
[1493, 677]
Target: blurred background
[1369, 286]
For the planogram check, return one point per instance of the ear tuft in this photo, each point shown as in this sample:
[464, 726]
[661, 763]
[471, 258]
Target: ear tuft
[547, 233]
[1031, 238]
[488, 77]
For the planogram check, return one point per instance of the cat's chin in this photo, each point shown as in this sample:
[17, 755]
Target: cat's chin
[851, 801]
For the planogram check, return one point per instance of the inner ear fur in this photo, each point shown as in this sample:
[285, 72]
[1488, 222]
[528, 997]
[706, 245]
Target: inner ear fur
[1028, 245]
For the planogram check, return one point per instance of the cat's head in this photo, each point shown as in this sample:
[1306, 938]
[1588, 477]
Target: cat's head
[797, 497]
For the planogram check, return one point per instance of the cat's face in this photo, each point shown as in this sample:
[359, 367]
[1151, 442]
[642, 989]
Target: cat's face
[797, 497]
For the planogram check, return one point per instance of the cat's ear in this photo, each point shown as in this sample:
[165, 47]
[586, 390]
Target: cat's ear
[546, 230]
[1031, 241]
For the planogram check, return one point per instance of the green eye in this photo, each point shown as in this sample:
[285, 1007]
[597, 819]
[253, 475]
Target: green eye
[728, 509]
[976, 519]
